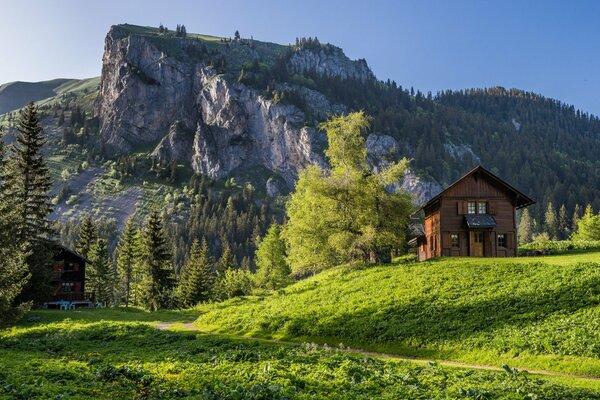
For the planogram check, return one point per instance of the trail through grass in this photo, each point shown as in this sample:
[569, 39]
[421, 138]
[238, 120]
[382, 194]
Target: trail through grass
[97, 353]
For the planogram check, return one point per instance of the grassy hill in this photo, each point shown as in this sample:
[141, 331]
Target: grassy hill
[120, 354]
[15, 95]
[541, 313]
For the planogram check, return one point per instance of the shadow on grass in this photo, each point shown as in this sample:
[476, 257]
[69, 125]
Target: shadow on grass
[430, 319]
[131, 314]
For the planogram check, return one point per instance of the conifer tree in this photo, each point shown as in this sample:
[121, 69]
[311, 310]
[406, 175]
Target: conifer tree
[273, 270]
[128, 253]
[550, 222]
[33, 179]
[14, 273]
[576, 217]
[563, 223]
[30, 191]
[155, 262]
[227, 261]
[525, 227]
[100, 276]
[196, 279]
[88, 236]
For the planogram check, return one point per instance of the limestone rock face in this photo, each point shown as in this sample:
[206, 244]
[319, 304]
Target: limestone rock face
[222, 127]
[143, 91]
[382, 150]
[177, 145]
[330, 61]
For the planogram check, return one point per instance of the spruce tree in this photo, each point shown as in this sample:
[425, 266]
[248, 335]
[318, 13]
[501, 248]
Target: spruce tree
[100, 276]
[14, 273]
[576, 217]
[128, 252]
[88, 236]
[227, 261]
[550, 222]
[33, 179]
[156, 264]
[196, 279]
[273, 270]
[525, 227]
[563, 223]
[30, 191]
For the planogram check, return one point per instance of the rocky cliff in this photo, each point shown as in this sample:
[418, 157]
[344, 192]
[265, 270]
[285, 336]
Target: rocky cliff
[144, 91]
[167, 96]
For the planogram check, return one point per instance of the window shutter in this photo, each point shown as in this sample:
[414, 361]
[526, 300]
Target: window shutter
[462, 207]
[445, 240]
[491, 207]
[510, 240]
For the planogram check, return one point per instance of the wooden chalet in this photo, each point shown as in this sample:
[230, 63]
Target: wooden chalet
[473, 217]
[68, 279]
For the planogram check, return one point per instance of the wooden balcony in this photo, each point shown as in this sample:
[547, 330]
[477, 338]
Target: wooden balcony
[73, 296]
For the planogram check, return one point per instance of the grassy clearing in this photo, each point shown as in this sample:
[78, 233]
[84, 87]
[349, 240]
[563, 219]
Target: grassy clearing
[538, 313]
[116, 354]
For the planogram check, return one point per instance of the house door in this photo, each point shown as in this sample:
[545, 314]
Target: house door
[477, 244]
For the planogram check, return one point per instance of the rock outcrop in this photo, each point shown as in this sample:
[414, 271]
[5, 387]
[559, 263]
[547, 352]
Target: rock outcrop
[331, 61]
[143, 91]
[382, 150]
[218, 125]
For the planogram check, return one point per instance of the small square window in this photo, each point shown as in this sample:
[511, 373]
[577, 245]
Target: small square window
[501, 240]
[454, 240]
[471, 207]
[67, 287]
[482, 207]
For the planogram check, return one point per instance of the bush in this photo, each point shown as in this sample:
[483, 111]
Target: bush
[559, 246]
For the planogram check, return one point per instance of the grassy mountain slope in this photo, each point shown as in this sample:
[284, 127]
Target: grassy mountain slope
[118, 354]
[525, 312]
[15, 95]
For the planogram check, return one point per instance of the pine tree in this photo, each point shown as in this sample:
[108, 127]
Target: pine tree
[550, 222]
[33, 177]
[14, 273]
[236, 35]
[128, 253]
[576, 217]
[563, 223]
[273, 270]
[156, 264]
[525, 227]
[88, 236]
[196, 279]
[100, 276]
[30, 191]
[227, 261]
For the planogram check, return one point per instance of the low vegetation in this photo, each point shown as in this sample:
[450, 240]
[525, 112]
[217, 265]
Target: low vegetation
[97, 354]
[535, 314]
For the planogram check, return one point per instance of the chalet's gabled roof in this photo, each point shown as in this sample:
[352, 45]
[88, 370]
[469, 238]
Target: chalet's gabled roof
[60, 247]
[522, 200]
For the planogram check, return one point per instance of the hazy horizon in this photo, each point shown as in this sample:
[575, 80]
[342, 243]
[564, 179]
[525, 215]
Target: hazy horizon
[542, 47]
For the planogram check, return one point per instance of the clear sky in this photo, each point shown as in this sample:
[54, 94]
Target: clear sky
[548, 47]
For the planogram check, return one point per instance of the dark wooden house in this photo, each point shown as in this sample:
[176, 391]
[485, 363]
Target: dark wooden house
[473, 217]
[68, 277]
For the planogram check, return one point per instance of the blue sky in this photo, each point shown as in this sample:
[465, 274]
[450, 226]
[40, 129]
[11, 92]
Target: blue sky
[547, 47]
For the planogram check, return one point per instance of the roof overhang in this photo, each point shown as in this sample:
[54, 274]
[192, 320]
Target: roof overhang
[521, 200]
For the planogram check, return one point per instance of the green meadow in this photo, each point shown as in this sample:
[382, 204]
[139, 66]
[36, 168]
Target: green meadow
[532, 312]
[437, 328]
[121, 354]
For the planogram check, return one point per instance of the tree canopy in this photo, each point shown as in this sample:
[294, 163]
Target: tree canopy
[346, 212]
